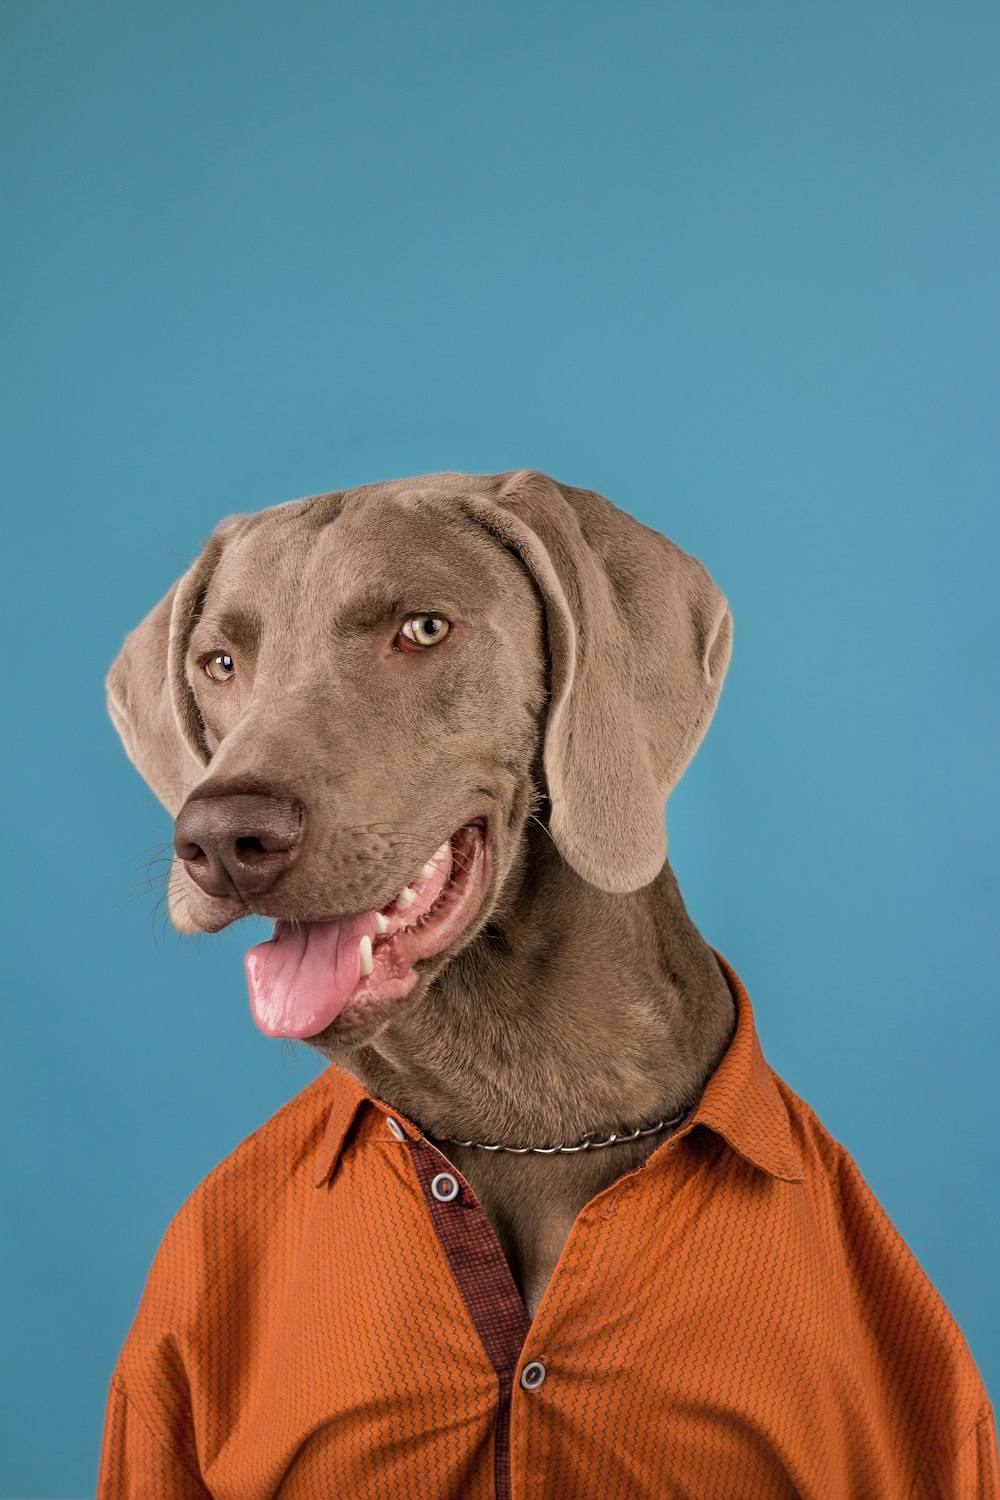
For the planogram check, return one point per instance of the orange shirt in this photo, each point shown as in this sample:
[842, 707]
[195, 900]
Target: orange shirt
[329, 1314]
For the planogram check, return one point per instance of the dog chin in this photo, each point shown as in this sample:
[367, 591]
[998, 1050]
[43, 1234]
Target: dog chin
[191, 910]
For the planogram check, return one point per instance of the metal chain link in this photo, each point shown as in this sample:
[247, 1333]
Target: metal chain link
[585, 1145]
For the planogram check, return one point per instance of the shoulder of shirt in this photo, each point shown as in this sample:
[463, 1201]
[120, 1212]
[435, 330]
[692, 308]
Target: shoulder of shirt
[830, 1167]
[862, 1240]
[224, 1226]
[827, 1164]
[818, 1151]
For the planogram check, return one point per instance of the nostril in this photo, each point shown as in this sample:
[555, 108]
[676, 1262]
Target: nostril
[262, 849]
[188, 851]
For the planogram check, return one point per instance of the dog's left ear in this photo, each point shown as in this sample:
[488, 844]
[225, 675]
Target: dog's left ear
[149, 697]
[639, 640]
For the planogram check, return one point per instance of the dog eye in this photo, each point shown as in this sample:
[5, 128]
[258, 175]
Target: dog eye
[220, 668]
[425, 630]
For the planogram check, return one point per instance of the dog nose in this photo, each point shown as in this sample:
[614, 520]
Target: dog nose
[237, 844]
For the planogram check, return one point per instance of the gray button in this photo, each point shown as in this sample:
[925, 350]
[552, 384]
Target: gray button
[445, 1187]
[396, 1129]
[532, 1375]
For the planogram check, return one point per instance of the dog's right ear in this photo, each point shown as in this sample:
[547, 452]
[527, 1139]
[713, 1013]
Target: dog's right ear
[149, 698]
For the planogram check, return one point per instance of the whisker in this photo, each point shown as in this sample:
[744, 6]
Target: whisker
[161, 847]
[139, 886]
[544, 830]
[160, 902]
[171, 550]
[131, 896]
[148, 870]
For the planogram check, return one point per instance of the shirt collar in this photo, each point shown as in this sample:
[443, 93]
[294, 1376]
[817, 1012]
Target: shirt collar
[349, 1098]
[741, 1102]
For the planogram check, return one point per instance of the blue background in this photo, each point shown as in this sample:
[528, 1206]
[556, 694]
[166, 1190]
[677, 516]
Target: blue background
[733, 265]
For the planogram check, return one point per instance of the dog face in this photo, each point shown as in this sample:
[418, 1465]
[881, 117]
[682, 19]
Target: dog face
[378, 668]
[353, 703]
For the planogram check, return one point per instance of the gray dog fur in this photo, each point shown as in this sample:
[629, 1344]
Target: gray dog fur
[583, 665]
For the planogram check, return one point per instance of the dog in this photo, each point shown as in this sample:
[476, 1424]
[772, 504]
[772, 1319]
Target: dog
[429, 727]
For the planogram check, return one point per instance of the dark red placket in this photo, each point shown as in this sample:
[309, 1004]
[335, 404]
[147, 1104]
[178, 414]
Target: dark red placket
[484, 1278]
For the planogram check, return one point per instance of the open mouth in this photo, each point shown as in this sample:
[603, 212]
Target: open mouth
[309, 973]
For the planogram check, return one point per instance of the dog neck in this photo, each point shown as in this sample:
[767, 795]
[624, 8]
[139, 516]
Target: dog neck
[573, 1010]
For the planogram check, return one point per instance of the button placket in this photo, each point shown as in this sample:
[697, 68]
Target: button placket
[484, 1281]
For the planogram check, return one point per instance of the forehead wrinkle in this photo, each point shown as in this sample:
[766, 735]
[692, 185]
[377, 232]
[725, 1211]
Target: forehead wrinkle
[239, 626]
[390, 547]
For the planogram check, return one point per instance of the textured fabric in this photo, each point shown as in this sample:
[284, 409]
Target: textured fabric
[736, 1317]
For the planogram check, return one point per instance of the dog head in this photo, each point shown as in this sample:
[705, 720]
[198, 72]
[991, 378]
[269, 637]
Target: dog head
[351, 705]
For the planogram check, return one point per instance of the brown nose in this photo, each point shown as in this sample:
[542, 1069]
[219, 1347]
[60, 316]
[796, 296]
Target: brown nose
[237, 845]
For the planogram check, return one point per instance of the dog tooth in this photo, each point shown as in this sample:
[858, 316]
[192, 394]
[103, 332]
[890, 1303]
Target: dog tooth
[365, 954]
[406, 898]
[381, 922]
[427, 870]
[442, 851]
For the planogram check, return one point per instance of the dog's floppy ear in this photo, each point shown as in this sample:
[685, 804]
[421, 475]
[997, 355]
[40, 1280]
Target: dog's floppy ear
[149, 698]
[639, 640]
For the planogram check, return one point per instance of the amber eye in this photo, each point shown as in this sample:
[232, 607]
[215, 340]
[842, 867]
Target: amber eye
[425, 630]
[220, 668]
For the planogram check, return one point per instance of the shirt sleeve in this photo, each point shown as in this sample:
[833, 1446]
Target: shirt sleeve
[976, 1468]
[134, 1463]
[972, 1472]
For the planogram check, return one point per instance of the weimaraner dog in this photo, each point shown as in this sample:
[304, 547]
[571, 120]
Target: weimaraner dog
[429, 727]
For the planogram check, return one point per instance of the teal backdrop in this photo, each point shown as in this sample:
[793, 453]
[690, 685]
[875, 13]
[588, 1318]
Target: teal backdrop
[736, 267]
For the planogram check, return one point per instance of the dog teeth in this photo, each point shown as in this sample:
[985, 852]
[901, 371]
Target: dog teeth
[381, 922]
[365, 954]
[408, 895]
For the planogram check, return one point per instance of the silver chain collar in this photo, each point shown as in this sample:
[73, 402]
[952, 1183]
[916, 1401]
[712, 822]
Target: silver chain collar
[585, 1145]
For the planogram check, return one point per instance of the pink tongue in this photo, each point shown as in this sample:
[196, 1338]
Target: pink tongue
[304, 976]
